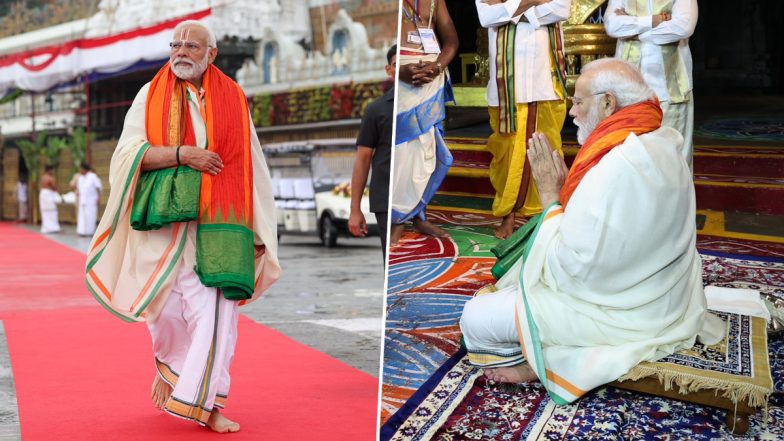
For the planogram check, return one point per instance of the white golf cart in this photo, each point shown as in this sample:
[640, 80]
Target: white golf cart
[311, 187]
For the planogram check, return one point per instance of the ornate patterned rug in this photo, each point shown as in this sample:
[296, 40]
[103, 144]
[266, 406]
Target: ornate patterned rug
[431, 279]
[458, 403]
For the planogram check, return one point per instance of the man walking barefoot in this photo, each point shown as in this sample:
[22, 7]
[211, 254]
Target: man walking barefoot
[189, 230]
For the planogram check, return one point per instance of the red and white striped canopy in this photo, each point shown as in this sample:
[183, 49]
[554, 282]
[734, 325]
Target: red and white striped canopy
[43, 68]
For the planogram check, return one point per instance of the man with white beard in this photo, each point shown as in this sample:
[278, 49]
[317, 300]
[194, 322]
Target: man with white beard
[189, 230]
[609, 274]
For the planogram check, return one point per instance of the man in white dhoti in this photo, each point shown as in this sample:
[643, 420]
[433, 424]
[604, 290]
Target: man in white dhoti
[526, 93]
[189, 231]
[654, 36]
[609, 274]
[21, 199]
[48, 198]
[422, 158]
[88, 192]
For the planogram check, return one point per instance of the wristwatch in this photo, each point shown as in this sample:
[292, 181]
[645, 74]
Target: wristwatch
[440, 67]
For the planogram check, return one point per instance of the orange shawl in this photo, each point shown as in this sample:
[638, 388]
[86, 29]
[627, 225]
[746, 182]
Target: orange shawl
[611, 132]
[225, 253]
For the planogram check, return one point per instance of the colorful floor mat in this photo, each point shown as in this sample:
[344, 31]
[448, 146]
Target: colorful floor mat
[458, 403]
[431, 279]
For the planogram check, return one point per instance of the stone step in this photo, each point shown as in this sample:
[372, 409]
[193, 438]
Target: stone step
[740, 193]
[751, 162]
[725, 178]
[737, 161]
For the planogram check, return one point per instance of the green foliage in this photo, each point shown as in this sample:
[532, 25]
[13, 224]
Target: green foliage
[11, 96]
[78, 146]
[51, 150]
[31, 153]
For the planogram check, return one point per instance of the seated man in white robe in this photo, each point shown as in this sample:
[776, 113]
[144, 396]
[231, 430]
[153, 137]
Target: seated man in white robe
[609, 275]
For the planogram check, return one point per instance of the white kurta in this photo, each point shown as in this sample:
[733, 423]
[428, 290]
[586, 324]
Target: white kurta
[21, 192]
[88, 187]
[47, 201]
[613, 280]
[21, 200]
[533, 74]
[674, 31]
[678, 115]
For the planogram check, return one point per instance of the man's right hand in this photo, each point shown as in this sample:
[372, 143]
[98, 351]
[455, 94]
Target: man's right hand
[357, 224]
[548, 168]
[201, 159]
[661, 18]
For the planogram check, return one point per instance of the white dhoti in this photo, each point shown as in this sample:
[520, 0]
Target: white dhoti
[680, 117]
[193, 340]
[488, 325]
[422, 158]
[47, 201]
[86, 219]
[21, 210]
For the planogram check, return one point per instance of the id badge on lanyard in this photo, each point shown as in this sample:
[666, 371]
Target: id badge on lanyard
[429, 42]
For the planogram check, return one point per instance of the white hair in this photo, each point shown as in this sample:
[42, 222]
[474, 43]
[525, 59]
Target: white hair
[619, 78]
[211, 40]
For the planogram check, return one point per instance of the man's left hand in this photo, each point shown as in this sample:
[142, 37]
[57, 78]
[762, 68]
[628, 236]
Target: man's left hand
[548, 168]
[357, 224]
[424, 72]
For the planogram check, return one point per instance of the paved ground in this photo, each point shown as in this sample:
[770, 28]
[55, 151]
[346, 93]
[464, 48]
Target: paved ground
[329, 299]
[9, 414]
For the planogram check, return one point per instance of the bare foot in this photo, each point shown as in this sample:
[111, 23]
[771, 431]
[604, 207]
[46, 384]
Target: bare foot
[161, 391]
[394, 233]
[506, 228]
[221, 424]
[425, 227]
[522, 373]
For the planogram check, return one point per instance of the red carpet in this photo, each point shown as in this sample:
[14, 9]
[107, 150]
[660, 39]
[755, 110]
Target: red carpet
[82, 374]
[37, 273]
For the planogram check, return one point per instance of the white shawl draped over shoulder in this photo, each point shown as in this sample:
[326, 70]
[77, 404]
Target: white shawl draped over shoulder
[131, 272]
[615, 278]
